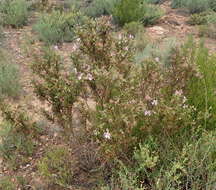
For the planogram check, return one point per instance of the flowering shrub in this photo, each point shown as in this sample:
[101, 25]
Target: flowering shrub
[130, 101]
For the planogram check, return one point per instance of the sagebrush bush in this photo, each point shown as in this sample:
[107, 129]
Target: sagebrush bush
[194, 6]
[57, 26]
[100, 7]
[134, 28]
[139, 11]
[161, 52]
[209, 29]
[14, 12]
[198, 19]
[201, 88]
[9, 78]
[57, 167]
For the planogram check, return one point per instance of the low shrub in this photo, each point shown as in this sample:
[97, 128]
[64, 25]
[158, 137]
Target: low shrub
[133, 28]
[9, 78]
[57, 26]
[155, 1]
[139, 11]
[160, 52]
[201, 89]
[100, 7]
[198, 19]
[194, 6]
[6, 183]
[189, 167]
[18, 136]
[57, 167]
[14, 12]
[209, 29]
[122, 104]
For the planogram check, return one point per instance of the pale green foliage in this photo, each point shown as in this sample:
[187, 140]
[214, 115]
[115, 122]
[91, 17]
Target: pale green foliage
[154, 51]
[100, 7]
[134, 28]
[128, 11]
[57, 167]
[209, 30]
[14, 12]
[6, 183]
[162, 167]
[201, 89]
[57, 26]
[9, 78]
[18, 136]
[195, 6]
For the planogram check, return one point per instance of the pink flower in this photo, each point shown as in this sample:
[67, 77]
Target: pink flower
[80, 76]
[178, 92]
[89, 77]
[147, 113]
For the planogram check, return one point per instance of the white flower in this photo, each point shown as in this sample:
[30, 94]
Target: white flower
[131, 36]
[126, 48]
[147, 113]
[157, 59]
[90, 77]
[185, 106]
[80, 76]
[178, 92]
[56, 47]
[75, 70]
[74, 47]
[154, 102]
[107, 134]
[184, 99]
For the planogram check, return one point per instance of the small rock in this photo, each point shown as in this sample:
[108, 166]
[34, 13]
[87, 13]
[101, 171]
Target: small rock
[158, 30]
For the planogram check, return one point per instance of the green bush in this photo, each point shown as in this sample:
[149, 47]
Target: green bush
[1, 35]
[14, 12]
[201, 89]
[133, 28]
[6, 183]
[194, 6]
[150, 85]
[158, 166]
[100, 7]
[57, 167]
[208, 30]
[57, 26]
[9, 79]
[127, 11]
[198, 19]
[155, 1]
[161, 52]
[18, 136]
